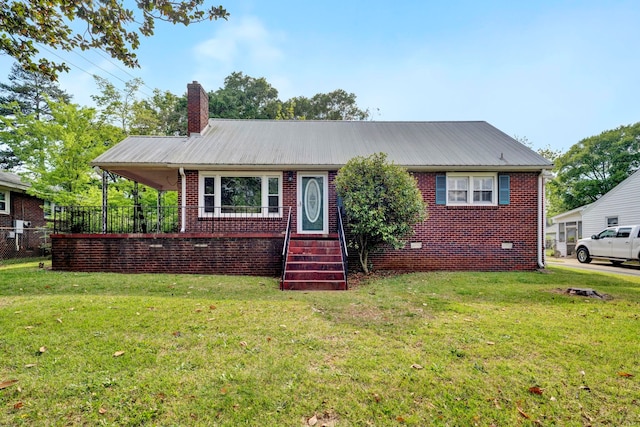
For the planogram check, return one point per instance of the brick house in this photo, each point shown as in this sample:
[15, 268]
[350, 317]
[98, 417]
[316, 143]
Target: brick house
[21, 218]
[255, 193]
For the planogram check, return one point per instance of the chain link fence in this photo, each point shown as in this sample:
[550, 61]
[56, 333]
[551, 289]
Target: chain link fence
[24, 242]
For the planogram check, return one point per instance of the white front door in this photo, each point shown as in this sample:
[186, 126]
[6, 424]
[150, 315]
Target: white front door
[313, 215]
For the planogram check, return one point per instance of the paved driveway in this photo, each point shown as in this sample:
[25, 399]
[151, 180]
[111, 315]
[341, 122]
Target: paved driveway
[629, 269]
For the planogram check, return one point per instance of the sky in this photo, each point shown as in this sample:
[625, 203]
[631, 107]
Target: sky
[553, 72]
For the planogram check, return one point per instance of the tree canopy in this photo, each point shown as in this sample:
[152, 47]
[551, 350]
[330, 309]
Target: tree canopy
[87, 24]
[593, 166]
[382, 203]
[56, 153]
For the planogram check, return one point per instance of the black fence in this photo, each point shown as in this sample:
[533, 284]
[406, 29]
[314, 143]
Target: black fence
[152, 219]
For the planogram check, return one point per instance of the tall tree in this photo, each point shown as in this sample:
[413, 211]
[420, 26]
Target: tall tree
[162, 114]
[115, 105]
[382, 203]
[595, 165]
[30, 90]
[244, 97]
[88, 24]
[56, 153]
[336, 105]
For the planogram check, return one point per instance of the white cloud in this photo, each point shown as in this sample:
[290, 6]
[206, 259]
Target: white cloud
[240, 45]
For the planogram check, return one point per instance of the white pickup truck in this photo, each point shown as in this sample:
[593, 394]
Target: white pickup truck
[617, 244]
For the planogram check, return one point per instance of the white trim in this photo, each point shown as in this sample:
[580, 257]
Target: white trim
[7, 202]
[217, 195]
[470, 181]
[325, 202]
[183, 216]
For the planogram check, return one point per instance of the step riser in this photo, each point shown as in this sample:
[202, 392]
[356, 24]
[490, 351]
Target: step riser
[314, 275]
[314, 286]
[315, 251]
[313, 258]
[305, 266]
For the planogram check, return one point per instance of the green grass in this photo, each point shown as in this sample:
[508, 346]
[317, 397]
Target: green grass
[439, 349]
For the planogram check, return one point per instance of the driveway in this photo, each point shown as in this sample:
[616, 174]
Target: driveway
[628, 269]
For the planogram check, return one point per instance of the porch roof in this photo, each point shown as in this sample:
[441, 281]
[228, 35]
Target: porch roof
[318, 145]
[12, 181]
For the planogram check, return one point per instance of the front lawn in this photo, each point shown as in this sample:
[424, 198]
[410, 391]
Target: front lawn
[421, 349]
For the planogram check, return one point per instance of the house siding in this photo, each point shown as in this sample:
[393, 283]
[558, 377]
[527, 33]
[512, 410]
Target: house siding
[26, 208]
[620, 202]
[471, 237]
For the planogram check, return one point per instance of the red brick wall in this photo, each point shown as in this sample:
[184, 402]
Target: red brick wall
[197, 108]
[258, 255]
[27, 208]
[471, 238]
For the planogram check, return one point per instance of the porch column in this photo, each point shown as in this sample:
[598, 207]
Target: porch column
[105, 196]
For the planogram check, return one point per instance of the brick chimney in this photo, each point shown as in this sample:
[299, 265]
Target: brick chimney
[197, 108]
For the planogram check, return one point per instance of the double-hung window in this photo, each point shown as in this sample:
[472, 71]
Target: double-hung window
[4, 202]
[240, 194]
[476, 189]
[480, 188]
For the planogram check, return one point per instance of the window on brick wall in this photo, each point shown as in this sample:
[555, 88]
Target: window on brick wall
[4, 202]
[238, 194]
[471, 189]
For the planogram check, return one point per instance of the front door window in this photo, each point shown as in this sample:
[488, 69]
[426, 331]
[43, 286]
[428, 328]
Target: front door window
[312, 204]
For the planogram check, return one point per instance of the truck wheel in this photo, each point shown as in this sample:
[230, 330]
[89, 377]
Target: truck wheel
[583, 255]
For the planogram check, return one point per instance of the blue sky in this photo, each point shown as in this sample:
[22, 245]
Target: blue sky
[551, 71]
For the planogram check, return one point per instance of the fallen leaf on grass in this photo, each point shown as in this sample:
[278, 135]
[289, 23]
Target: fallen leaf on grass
[535, 390]
[42, 349]
[118, 353]
[625, 374]
[490, 343]
[29, 327]
[59, 320]
[243, 343]
[30, 365]
[416, 366]
[102, 411]
[400, 419]
[18, 405]
[312, 421]
[212, 307]
[177, 334]
[521, 412]
[585, 388]
[7, 383]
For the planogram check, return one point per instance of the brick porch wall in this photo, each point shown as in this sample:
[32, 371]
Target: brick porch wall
[257, 255]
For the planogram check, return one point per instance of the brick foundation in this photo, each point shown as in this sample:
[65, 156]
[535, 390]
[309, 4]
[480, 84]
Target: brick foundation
[257, 255]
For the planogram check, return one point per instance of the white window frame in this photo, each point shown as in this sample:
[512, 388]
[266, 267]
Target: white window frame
[264, 176]
[470, 179]
[6, 201]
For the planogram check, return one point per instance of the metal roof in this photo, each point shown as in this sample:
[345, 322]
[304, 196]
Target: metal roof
[12, 181]
[306, 144]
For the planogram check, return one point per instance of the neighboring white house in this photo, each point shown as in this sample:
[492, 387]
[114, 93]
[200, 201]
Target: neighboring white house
[620, 206]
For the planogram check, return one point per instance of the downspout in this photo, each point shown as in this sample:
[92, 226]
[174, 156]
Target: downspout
[541, 220]
[183, 218]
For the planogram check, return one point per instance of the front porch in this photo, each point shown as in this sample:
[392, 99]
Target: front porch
[238, 241]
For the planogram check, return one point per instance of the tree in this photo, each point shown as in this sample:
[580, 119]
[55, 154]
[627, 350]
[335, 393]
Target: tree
[244, 97]
[28, 92]
[594, 166]
[162, 114]
[115, 105]
[382, 203]
[56, 153]
[87, 24]
[336, 105]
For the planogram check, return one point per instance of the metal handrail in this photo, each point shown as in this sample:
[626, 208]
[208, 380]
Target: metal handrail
[285, 249]
[343, 245]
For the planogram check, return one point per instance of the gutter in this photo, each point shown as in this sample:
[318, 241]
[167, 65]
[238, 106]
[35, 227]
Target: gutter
[183, 202]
